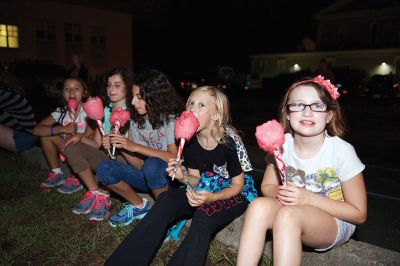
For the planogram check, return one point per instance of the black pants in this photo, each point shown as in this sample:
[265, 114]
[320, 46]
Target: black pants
[140, 246]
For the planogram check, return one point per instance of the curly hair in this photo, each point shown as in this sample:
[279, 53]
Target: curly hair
[126, 76]
[162, 102]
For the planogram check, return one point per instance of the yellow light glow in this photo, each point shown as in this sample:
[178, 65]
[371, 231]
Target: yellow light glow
[8, 36]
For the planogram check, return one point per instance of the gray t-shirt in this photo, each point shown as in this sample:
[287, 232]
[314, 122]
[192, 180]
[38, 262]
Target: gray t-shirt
[158, 139]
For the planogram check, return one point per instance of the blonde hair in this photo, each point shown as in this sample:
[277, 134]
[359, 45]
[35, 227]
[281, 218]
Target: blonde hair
[337, 125]
[222, 108]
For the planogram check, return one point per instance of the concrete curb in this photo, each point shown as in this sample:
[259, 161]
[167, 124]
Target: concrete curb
[351, 253]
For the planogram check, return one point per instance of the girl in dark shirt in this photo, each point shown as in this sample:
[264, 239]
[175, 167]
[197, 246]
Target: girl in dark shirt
[216, 192]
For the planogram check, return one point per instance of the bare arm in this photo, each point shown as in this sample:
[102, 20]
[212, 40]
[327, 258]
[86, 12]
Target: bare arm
[92, 138]
[353, 209]
[234, 189]
[270, 182]
[125, 143]
[45, 128]
[200, 197]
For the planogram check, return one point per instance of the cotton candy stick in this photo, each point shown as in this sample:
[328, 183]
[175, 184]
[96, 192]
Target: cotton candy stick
[95, 111]
[184, 129]
[116, 131]
[270, 137]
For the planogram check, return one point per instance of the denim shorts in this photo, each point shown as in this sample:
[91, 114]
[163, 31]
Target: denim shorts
[151, 176]
[345, 231]
[23, 140]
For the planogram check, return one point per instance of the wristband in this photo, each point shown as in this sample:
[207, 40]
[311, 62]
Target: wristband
[51, 131]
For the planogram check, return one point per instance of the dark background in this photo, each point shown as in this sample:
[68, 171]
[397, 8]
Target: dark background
[181, 35]
[198, 34]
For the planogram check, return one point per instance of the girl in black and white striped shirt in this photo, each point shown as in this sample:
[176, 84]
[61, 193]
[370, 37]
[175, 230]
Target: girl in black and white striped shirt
[16, 118]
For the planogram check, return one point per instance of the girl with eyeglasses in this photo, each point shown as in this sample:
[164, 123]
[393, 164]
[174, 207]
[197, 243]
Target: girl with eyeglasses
[325, 195]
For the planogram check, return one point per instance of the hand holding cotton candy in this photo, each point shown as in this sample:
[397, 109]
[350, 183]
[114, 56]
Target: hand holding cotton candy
[184, 129]
[118, 119]
[94, 110]
[270, 137]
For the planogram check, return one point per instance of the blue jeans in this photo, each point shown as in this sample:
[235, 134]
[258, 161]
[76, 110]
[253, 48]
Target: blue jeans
[151, 176]
[23, 140]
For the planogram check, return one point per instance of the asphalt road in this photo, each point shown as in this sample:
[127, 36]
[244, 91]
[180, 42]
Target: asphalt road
[374, 131]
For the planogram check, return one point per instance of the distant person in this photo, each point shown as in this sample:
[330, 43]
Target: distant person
[16, 116]
[77, 69]
[58, 128]
[325, 71]
[84, 154]
[147, 148]
[218, 191]
[325, 194]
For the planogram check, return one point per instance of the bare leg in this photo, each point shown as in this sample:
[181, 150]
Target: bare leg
[7, 139]
[127, 192]
[51, 146]
[88, 179]
[157, 192]
[294, 225]
[259, 218]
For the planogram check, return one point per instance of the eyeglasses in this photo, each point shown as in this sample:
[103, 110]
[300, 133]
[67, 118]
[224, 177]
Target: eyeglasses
[299, 107]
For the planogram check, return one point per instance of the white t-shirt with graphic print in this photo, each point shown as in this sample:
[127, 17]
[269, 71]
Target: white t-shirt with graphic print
[80, 120]
[322, 174]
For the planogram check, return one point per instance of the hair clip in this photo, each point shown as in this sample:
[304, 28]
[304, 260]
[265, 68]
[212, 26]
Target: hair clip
[326, 83]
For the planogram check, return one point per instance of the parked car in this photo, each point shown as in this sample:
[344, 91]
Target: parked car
[382, 86]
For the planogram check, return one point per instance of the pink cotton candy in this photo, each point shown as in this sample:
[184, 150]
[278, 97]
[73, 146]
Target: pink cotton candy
[72, 104]
[186, 126]
[120, 115]
[270, 136]
[94, 108]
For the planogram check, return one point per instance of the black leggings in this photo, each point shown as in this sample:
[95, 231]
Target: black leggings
[139, 247]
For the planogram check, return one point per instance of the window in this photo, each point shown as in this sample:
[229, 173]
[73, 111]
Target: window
[98, 35]
[46, 30]
[98, 45]
[8, 36]
[73, 33]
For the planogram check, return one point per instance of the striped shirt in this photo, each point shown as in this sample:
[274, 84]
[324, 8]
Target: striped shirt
[15, 111]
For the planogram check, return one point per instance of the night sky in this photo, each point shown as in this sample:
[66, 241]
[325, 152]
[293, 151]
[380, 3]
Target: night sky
[194, 35]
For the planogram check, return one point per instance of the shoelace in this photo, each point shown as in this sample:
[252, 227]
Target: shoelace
[127, 210]
[88, 196]
[51, 176]
[99, 200]
[71, 180]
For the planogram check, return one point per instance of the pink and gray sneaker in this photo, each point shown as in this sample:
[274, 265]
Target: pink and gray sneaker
[70, 186]
[100, 208]
[86, 203]
[53, 180]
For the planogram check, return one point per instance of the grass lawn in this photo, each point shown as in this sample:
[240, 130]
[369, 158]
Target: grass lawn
[39, 228]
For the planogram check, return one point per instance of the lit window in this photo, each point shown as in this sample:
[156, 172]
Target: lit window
[8, 36]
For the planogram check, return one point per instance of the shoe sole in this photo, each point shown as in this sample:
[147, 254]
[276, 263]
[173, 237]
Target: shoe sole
[84, 212]
[128, 222]
[96, 219]
[69, 192]
[43, 186]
